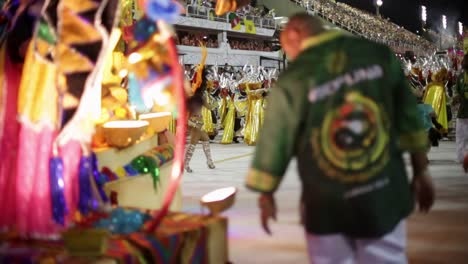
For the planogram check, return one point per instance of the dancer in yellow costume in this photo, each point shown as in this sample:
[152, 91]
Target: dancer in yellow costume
[208, 122]
[241, 104]
[255, 113]
[228, 120]
[436, 97]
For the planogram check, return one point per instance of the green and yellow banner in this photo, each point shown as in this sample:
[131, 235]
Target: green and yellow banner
[249, 26]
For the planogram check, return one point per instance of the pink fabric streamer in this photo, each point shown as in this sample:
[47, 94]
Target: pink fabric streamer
[25, 201]
[9, 144]
[71, 155]
[38, 209]
[34, 215]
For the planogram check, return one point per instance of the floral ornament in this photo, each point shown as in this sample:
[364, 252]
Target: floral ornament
[165, 10]
[143, 29]
[121, 221]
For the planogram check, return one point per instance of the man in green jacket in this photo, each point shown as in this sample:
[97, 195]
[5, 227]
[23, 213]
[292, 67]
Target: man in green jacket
[461, 98]
[344, 109]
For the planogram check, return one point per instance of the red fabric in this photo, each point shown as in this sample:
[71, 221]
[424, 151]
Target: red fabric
[465, 163]
[9, 143]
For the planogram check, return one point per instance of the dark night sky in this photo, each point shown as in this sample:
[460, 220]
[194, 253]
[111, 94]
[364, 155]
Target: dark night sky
[408, 12]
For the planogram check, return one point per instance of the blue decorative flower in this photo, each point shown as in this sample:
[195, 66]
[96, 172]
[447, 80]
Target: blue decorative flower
[166, 10]
[122, 221]
[143, 29]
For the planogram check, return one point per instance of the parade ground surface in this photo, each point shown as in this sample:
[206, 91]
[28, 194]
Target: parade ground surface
[439, 237]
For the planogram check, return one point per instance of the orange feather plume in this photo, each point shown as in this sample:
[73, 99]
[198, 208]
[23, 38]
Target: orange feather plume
[198, 75]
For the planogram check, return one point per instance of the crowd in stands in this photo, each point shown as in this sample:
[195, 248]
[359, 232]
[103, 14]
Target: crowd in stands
[352, 19]
[192, 39]
[249, 44]
[204, 3]
[261, 16]
[211, 41]
[249, 10]
[365, 24]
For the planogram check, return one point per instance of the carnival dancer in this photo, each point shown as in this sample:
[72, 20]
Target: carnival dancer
[254, 121]
[241, 104]
[436, 96]
[222, 107]
[195, 122]
[209, 121]
[461, 98]
[227, 109]
[229, 118]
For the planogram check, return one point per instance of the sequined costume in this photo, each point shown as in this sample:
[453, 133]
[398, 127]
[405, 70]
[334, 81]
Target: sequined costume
[241, 103]
[255, 114]
[209, 124]
[196, 122]
[436, 96]
[197, 134]
[228, 120]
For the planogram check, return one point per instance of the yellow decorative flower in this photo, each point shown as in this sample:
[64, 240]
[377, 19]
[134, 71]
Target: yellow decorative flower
[121, 173]
[120, 113]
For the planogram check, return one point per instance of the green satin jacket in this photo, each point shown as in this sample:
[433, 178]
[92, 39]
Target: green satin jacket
[461, 90]
[344, 109]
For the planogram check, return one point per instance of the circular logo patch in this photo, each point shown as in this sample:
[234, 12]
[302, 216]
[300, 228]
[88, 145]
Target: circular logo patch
[352, 143]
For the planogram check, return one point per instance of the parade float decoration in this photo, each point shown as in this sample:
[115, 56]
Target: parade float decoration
[94, 108]
[153, 79]
[57, 102]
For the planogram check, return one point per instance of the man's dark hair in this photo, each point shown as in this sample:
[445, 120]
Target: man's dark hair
[305, 23]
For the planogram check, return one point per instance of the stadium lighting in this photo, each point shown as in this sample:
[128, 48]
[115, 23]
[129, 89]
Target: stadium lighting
[424, 14]
[460, 28]
[444, 21]
[378, 4]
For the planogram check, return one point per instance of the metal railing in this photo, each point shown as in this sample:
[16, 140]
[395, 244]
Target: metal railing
[209, 14]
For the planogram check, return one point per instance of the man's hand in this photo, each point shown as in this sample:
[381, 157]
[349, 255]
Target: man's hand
[267, 205]
[423, 189]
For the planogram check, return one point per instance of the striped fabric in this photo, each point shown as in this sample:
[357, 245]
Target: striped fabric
[172, 126]
[181, 238]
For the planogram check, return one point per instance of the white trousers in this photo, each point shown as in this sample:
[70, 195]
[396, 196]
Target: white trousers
[339, 249]
[461, 134]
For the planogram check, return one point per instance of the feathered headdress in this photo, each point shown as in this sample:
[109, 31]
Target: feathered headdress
[196, 83]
